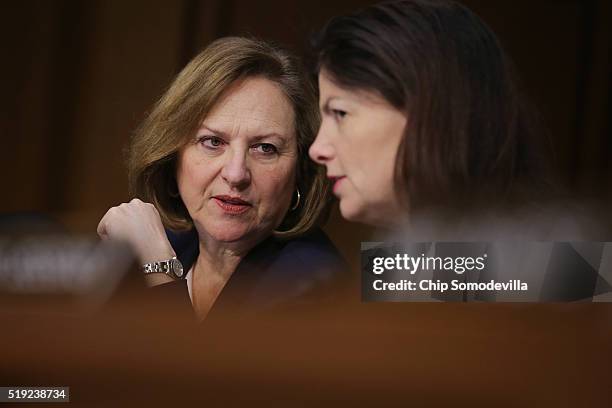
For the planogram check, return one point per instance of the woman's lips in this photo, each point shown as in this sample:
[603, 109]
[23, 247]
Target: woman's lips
[337, 181]
[232, 205]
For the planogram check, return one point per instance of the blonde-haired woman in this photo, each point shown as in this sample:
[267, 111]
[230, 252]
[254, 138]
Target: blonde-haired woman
[222, 163]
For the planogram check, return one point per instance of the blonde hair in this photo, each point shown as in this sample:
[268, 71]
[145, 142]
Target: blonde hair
[175, 118]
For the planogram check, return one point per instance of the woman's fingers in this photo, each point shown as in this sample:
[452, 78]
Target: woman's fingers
[101, 229]
[139, 224]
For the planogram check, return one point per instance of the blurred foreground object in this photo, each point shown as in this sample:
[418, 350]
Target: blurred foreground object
[493, 355]
[38, 258]
[143, 350]
[62, 265]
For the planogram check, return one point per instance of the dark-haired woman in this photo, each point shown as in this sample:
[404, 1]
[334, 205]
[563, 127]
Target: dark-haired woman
[421, 113]
[424, 131]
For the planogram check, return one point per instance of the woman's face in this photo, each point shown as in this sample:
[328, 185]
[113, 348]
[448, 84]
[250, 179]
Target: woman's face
[237, 176]
[358, 141]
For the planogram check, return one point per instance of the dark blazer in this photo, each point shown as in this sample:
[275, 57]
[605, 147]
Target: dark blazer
[274, 273]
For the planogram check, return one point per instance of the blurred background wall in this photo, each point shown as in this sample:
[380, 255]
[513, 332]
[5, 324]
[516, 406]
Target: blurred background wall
[78, 77]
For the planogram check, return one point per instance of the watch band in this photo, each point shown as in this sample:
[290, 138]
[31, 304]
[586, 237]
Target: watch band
[171, 267]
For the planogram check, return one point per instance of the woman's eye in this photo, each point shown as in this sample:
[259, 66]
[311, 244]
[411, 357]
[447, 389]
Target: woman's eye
[338, 114]
[211, 142]
[265, 148]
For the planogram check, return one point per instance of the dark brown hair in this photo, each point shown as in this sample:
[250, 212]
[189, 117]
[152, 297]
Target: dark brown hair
[470, 134]
[178, 114]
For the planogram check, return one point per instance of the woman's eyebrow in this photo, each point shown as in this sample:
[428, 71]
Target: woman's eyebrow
[216, 132]
[325, 106]
[257, 138]
[269, 136]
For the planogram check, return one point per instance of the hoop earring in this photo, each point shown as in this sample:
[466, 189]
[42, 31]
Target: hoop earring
[297, 202]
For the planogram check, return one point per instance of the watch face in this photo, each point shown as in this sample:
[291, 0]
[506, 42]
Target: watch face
[177, 268]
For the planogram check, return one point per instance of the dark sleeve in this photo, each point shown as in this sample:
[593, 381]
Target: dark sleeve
[307, 269]
[186, 245]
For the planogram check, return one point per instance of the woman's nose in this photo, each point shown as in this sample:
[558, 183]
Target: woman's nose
[321, 151]
[236, 171]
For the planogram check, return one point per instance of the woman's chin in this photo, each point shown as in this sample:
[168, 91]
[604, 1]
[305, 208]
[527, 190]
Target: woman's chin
[229, 236]
[370, 215]
[227, 233]
[351, 211]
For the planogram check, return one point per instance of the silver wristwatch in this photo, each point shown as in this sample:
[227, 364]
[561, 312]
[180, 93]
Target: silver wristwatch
[171, 267]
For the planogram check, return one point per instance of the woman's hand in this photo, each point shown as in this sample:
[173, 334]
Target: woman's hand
[139, 224]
